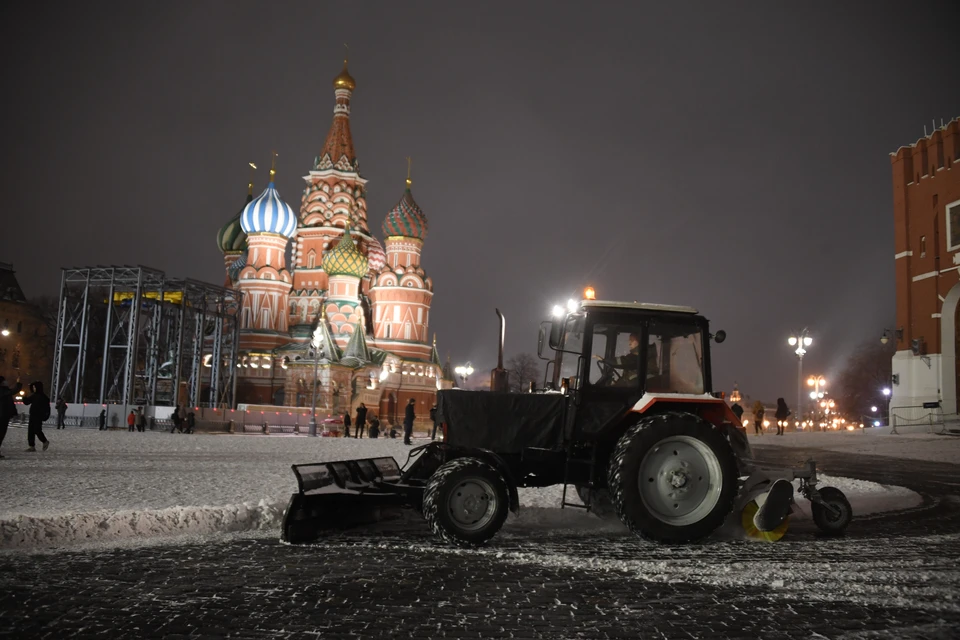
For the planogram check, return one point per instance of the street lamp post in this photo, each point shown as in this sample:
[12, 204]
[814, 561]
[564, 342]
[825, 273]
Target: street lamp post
[801, 341]
[464, 371]
[315, 343]
[887, 391]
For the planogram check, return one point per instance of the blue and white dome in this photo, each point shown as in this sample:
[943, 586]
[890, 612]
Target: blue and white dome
[267, 213]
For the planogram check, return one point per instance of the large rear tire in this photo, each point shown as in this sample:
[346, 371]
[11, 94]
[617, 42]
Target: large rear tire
[466, 502]
[673, 478]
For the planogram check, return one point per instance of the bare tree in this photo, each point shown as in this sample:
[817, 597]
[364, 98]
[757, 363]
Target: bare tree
[867, 372]
[521, 369]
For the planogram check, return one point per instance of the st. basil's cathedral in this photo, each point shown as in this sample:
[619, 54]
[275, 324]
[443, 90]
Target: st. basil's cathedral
[349, 309]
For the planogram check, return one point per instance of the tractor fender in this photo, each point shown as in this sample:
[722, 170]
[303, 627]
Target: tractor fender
[713, 410]
[498, 463]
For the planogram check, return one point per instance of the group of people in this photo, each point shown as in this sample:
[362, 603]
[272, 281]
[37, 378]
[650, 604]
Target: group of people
[39, 411]
[360, 422]
[181, 423]
[783, 412]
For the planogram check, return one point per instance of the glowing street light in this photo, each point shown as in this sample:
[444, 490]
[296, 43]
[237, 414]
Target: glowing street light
[464, 371]
[801, 341]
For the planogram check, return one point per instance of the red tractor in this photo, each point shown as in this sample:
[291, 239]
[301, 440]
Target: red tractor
[627, 417]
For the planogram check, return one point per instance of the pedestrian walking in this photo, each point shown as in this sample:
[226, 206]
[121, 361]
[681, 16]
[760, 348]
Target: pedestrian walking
[61, 414]
[176, 419]
[131, 421]
[8, 407]
[374, 427]
[758, 412]
[141, 420]
[39, 411]
[103, 420]
[408, 417]
[433, 421]
[361, 419]
[783, 412]
[191, 422]
[346, 422]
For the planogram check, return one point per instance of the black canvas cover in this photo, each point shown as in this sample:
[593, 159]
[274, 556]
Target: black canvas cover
[502, 422]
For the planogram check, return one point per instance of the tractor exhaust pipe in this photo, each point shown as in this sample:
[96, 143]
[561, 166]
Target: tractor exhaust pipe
[498, 377]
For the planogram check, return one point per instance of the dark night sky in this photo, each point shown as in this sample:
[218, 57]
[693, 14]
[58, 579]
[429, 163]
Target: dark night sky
[732, 157]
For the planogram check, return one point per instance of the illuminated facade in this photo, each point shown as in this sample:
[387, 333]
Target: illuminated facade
[926, 209]
[346, 307]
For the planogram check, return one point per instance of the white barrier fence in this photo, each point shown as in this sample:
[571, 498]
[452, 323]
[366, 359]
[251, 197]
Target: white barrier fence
[87, 416]
[928, 418]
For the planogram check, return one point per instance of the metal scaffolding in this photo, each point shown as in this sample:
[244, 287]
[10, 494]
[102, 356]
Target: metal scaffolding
[154, 340]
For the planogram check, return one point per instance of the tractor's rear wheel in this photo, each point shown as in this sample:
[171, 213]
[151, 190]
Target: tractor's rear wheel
[673, 478]
[465, 502]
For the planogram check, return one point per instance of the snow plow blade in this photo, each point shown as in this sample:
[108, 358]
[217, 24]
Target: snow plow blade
[338, 495]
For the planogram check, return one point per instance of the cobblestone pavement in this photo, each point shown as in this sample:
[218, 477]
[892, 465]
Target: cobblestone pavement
[893, 576]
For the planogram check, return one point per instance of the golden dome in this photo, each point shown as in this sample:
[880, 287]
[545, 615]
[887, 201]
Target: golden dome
[344, 80]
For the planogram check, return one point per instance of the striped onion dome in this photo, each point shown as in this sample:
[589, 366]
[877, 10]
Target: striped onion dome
[231, 238]
[376, 257]
[344, 259]
[267, 213]
[406, 219]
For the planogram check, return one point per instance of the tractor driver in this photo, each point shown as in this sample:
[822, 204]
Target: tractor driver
[628, 363]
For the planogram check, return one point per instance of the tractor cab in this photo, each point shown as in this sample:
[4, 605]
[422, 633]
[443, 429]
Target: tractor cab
[614, 358]
[631, 348]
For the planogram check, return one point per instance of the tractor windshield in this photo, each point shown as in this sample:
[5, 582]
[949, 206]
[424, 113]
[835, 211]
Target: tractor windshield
[675, 358]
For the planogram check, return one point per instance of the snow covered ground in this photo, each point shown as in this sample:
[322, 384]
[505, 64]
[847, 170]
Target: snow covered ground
[875, 442]
[94, 487]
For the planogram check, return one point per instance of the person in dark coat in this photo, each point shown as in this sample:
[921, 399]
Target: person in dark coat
[8, 407]
[176, 419]
[737, 411]
[433, 420]
[408, 417]
[39, 411]
[141, 420]
[103, 420]
[361, 420]
[191, 422]
[61, 414]
[374, 427]
[346, 423]
[783, 412]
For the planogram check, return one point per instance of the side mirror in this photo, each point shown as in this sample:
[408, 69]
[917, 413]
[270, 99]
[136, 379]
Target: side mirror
[556, 333]
[540, 338]
[720, 336]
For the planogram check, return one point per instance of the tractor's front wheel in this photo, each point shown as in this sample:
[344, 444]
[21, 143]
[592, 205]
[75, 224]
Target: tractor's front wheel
[466, 502]
[673, 478]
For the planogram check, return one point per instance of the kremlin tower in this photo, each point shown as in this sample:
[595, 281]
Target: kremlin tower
[348, 316]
